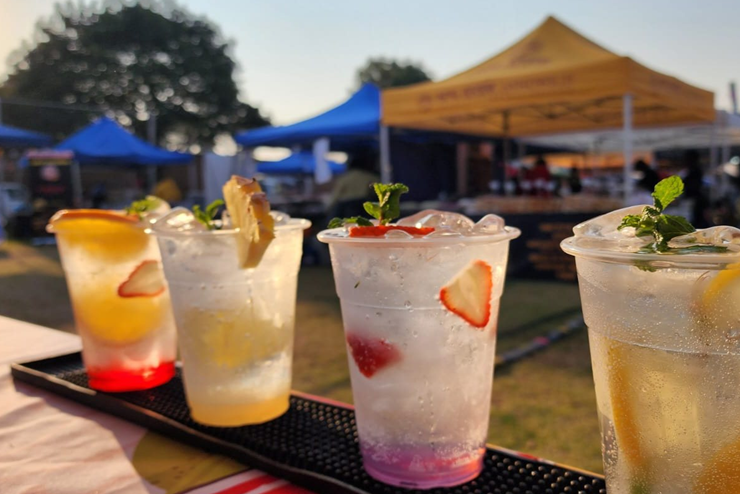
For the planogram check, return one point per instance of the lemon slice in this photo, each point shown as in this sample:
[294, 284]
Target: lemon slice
[116, 320]
[250, 213]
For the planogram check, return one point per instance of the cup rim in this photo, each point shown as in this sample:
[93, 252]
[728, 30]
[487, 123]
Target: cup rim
[330, 236]
[292, 225]
[656, 260]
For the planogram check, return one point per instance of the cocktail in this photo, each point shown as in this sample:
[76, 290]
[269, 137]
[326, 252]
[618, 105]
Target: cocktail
[420, 304]
[662, 305]
[234, 296]
[120, 300]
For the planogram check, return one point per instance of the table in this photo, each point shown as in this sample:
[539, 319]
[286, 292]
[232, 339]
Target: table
[51, 445]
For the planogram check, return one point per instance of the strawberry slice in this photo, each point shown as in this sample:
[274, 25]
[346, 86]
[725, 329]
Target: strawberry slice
[468, 294]
[372, 354]
[145, 280]
[380, 230]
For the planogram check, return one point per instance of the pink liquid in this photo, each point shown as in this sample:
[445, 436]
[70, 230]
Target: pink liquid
[421, 468]
[119, 380]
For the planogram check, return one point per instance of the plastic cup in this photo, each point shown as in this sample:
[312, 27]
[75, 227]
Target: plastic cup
[128, 341]
[235, 326]
[421, 375]
[665, 352]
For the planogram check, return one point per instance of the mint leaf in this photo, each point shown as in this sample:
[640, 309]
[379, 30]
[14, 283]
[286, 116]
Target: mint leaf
[340, 222]
[709, 249]
[666, 191]
[388, 206]
[143, 206]
[212, 208]
[631, 220]
[671, 226]
[373, 209]
[206, 217]
[386, 209]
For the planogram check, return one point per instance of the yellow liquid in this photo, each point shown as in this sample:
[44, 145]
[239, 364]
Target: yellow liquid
[233, 415]
[116, 320]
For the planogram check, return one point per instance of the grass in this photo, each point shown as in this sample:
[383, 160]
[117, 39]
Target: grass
[543, 405]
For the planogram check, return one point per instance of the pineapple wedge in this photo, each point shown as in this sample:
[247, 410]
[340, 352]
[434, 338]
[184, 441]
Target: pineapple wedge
[250, 213]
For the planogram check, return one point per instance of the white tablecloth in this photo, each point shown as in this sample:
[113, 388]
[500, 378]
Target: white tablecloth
[51, 445]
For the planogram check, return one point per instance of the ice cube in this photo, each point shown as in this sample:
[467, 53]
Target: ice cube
[163, 207]
[397, 234]
[489, 224]
[280, 217]
[606, 224]
[443, 232]
[454, 222]
[178, 219]
[721, 236]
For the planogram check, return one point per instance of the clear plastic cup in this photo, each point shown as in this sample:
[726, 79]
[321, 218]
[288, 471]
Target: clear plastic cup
[421, 375]
[128, 339]
[664, 332]
[235, 326]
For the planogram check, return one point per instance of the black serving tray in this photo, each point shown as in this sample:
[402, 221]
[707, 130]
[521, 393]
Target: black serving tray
[313, 445]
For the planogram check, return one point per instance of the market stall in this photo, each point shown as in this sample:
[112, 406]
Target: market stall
[554, 80]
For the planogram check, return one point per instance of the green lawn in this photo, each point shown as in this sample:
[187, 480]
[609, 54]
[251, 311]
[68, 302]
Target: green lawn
[543, 405]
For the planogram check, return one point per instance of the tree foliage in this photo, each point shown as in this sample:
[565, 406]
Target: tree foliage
[386, 73]
[130, 60]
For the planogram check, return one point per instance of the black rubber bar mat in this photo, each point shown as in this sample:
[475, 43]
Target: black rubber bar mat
[314, 444]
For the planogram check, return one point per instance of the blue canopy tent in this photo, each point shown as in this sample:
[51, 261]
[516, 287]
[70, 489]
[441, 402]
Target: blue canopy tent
[15, 137]
[106, 142]
[297, 163]
[356, 118]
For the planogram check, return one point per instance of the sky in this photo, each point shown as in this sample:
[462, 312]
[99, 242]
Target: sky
[298, 57]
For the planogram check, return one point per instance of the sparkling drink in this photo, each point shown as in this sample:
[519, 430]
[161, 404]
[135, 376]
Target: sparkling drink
[665, 351]
[235, 326]
[420, 358]
[120, 301]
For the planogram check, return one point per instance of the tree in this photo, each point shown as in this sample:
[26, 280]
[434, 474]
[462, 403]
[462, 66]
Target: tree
[129, 60]
[386, 73]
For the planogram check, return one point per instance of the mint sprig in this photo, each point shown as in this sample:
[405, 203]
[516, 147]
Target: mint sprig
[385, 210]
[207, 217]
[653, 222]
[357, 220]
[141, 207]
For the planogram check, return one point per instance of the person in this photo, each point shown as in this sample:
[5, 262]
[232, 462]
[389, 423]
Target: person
[98, 195]
[649, 178]
[354, 186]
[168, 190]
[541, 178]
[693, 184]
[574, 181]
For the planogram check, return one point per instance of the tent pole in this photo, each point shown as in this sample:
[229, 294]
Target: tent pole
[507, 153]
[627, 142]
[385, 155]
[151, 135]
[713, 155]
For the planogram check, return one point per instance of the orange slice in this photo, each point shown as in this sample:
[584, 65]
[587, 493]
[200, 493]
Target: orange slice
[103, 234]
[722, 472]
[250, 213]
[624, 416]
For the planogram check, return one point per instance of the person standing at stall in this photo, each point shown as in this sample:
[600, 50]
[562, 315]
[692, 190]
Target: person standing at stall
[541, 179]
[694, 189]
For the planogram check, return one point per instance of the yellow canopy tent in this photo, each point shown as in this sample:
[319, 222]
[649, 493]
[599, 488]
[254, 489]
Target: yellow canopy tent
[552, 81]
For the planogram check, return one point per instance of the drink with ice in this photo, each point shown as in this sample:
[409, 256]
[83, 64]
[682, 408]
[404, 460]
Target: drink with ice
[120, 300]
[420, 310]
[235, 323]
[664, 328]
